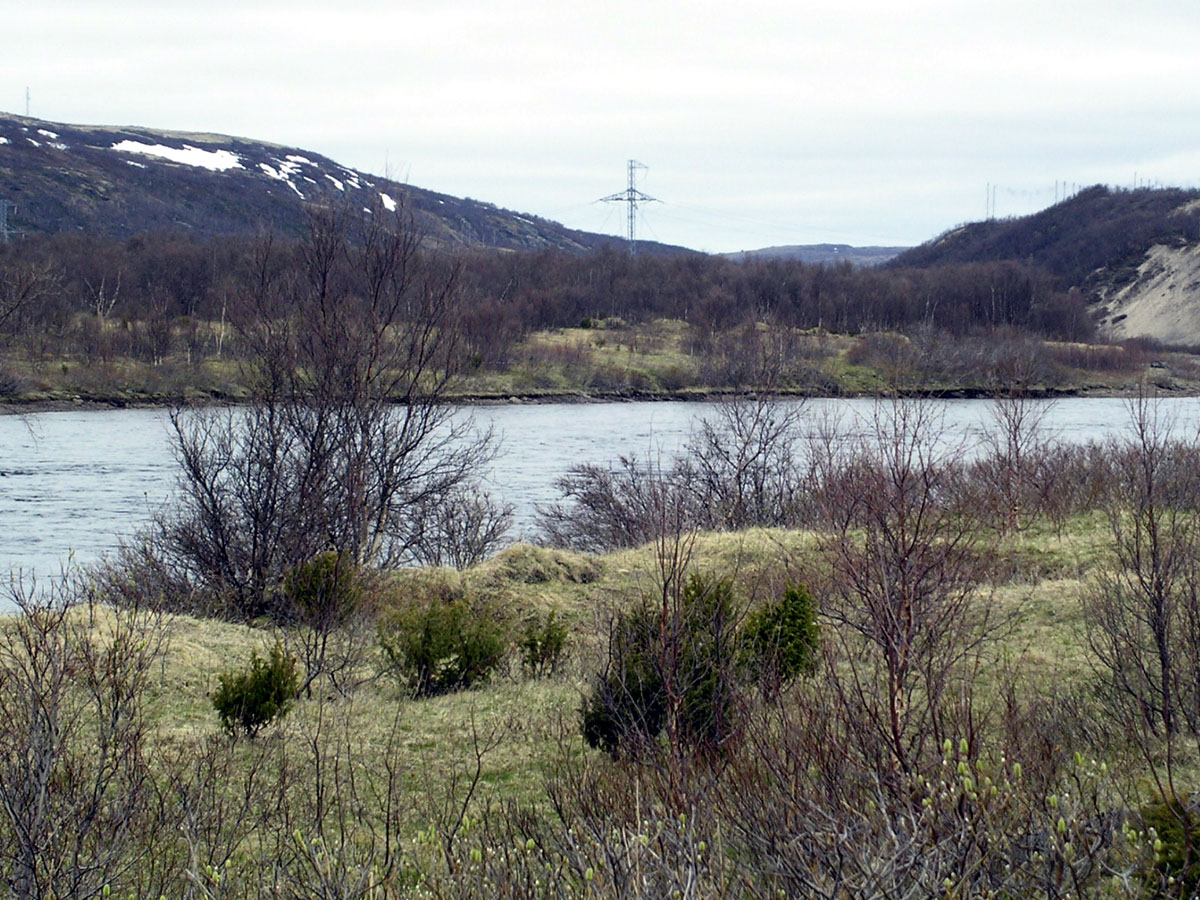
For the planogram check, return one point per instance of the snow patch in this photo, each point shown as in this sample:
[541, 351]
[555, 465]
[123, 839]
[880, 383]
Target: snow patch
[214, 160]
[58, 146]
[32, 141]
[288, 168]
[292, 157]
[388, 203]
[130, 162]
[337, 184]
[3, 140]
[49, 134]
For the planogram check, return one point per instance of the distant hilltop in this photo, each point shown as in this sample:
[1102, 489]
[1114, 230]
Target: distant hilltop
[822, 253]
[124, 181]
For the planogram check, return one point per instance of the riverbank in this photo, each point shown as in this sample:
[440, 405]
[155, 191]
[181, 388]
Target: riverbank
[60, 402]
[661, 361]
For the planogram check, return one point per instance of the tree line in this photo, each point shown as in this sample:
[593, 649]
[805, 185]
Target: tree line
[171, 296]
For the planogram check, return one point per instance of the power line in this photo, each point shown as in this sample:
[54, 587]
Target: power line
[631, 196]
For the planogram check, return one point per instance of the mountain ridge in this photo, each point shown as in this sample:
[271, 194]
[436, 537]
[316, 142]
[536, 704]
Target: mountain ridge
[126, 180]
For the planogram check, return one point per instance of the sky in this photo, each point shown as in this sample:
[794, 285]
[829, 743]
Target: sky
[760, 122]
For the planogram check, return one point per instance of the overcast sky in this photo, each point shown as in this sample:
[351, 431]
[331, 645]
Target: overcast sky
[761, 123]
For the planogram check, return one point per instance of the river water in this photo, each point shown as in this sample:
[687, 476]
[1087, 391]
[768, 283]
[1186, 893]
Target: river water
[73, 483]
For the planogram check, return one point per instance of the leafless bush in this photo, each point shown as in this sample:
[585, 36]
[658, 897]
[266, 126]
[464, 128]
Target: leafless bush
[347, 437]
[1144, 609]
[460, 528]
[898, 571]
[740, 470]
[76, 793]
[612, 508]
[1014, 445]
[742, 465]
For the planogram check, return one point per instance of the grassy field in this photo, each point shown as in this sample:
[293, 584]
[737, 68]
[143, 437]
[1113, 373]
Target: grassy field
[527, 723]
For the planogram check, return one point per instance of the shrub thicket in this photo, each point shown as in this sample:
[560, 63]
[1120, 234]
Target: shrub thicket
[542, 644]
[252, 698]
[779, 641]
[445, 642]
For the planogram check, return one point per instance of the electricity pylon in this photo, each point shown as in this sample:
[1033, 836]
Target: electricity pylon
[631, 196]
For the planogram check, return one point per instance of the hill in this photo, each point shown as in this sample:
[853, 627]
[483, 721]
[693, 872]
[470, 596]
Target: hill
[123, 181]
[822, 253]
[1134, 254]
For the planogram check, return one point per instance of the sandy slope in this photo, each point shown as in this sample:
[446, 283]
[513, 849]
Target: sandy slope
[1162, 302]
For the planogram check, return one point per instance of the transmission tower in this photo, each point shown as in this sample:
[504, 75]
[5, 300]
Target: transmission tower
[631, 196]
[5, 231]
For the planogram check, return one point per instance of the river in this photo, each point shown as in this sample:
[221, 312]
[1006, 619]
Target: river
[73, 483]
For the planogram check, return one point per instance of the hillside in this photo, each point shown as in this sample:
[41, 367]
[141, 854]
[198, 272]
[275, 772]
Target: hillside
[1134, 254]
[120, 181]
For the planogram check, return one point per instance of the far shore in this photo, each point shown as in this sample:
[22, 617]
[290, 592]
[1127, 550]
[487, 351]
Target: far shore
[43, 404]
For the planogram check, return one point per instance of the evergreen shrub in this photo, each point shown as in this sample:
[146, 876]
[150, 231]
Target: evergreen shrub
[439, 643]
[249, 699]
[543, 643]
[780, 640]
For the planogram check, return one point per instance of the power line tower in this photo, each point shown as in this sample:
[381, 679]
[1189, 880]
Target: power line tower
[631, 196]
[5, 231]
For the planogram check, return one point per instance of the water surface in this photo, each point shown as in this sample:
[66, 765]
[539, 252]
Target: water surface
[73, 483]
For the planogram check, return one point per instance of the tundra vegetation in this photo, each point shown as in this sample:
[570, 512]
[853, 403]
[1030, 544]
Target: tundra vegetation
[809, 659]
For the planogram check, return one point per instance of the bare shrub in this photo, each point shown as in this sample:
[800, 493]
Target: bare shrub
[609, 508]
[459, 529]
[742, 465]
[898, 571]
[1144, 609]
[347, 438]
[76, 794]
[1015, 441]
[741, 469]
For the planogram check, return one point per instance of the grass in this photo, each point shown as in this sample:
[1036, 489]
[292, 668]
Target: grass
[528, 721]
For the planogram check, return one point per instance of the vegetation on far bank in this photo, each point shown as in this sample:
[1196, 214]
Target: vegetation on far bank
[163, 319]
[661, 359]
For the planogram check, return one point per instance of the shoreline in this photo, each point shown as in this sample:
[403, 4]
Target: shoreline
[36, 405]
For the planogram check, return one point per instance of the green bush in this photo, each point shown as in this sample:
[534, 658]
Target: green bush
[780, 640]
[325, 591]
[542, 644]
[249, 699]
[443, 643]
[1177, 848]
[629, 705]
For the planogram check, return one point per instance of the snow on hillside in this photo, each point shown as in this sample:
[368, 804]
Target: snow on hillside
[214, 160]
